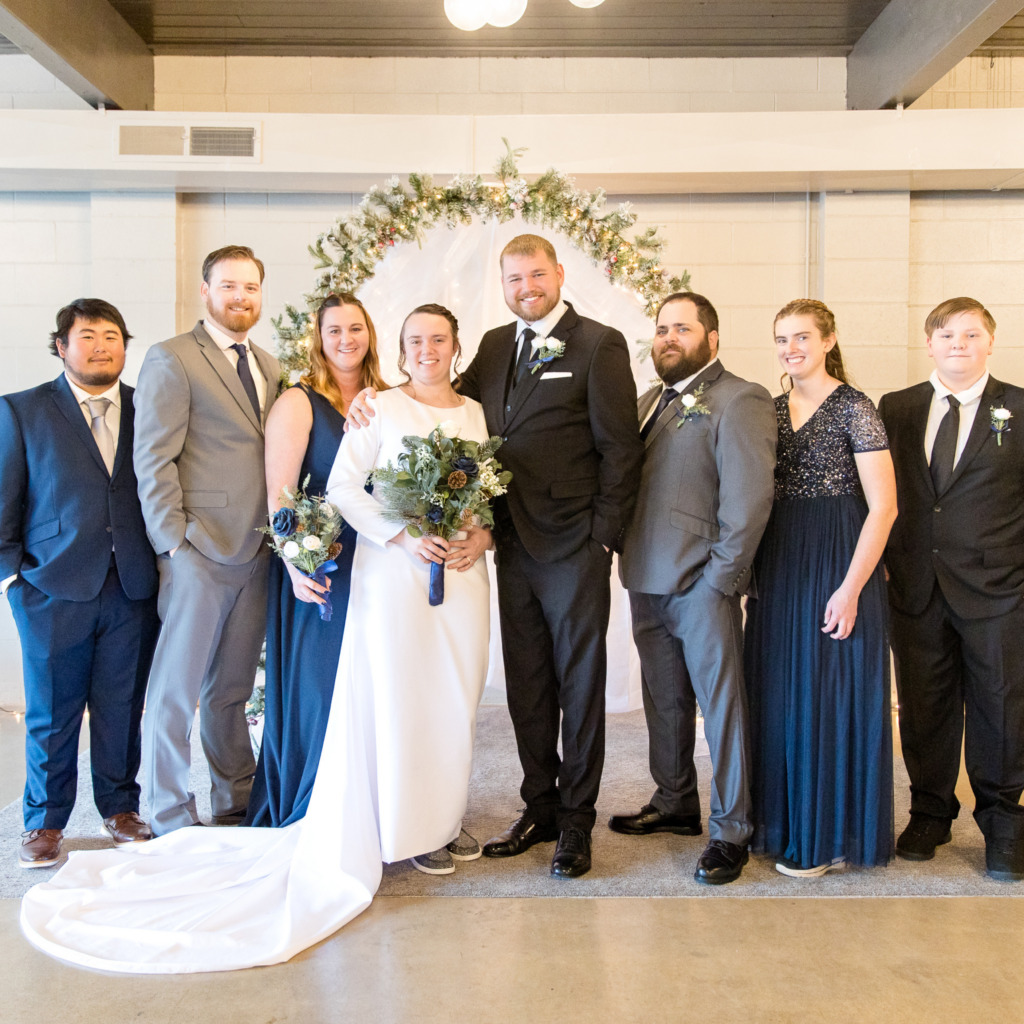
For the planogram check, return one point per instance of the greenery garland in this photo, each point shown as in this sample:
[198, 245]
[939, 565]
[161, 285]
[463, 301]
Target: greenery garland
[348, 254]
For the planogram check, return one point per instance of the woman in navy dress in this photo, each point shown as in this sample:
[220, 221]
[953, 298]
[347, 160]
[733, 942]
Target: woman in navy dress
[304, 430]
[817, 651]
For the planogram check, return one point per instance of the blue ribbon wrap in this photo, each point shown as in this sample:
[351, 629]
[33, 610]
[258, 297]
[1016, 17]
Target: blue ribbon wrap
[436, 583]
[320, 577]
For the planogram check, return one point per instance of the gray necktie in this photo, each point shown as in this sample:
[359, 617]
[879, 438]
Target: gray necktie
[100, 431]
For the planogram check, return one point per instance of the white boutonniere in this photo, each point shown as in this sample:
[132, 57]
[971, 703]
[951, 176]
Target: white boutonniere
[1000, 417]
[548, 351]
[692, 405]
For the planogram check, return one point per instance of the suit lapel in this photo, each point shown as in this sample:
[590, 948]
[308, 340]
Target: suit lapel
[496, 397]
[707, 377]
[72, 412]
[562, 332]
[126, 432]
[980, 429]
[228, 374]
[917, 425]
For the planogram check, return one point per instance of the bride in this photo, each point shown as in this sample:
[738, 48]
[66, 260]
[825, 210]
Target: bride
[394, 773]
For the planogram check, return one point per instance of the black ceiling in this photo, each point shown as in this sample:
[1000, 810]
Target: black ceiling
[549, 27]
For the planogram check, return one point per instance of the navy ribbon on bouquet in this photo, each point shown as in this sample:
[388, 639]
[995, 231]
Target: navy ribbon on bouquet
[320, 577]
[436, 583]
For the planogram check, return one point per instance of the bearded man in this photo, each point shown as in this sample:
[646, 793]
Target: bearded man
[705, 495]
[201, 404]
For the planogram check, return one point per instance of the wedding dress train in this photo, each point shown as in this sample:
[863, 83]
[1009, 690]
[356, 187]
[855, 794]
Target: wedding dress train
[392, 781]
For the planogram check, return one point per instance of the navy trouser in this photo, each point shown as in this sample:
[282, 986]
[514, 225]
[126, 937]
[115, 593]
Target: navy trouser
[76, 655]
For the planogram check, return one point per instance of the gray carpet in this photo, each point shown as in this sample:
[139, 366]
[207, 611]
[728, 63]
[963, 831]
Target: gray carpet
[657, 866]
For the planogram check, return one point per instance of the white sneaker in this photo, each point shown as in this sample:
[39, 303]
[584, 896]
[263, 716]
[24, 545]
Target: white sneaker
[464, 847]
[788, 867]
[437, 863]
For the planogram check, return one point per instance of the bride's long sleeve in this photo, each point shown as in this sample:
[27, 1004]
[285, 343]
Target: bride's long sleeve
[356, 458]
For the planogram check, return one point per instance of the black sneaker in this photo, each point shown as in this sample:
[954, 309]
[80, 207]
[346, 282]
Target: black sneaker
[919, 839]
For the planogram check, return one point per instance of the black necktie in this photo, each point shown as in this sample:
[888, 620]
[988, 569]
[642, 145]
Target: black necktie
[666, 398]
[944, 449]
[524, 354]
[245, 376]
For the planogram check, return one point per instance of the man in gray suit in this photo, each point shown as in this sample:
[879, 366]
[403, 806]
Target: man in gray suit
[201, 404]
[705, 495]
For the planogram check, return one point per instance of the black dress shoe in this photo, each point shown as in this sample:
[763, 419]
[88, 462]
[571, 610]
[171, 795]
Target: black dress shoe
[572, 855]
[523, 833]
[651, 820]
[1004, 860]
[721, 862]
[919, 839]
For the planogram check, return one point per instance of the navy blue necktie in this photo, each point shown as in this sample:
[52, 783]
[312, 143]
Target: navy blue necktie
[245, 376]
[666, 399]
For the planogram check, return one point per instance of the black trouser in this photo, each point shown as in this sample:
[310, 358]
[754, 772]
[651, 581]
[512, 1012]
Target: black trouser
[963, 679]
[554, 619]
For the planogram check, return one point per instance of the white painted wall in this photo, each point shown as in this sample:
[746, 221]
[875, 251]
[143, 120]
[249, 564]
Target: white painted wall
[24, 84]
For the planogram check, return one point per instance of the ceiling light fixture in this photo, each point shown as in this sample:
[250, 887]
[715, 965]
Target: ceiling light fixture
[503, 13]
[468, 15]
[587, 3]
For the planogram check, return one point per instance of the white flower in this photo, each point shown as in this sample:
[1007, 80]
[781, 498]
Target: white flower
[291, 549]
[1002, 415]
[449, 428]
[689, 401]
[326, 508]
[311, 543]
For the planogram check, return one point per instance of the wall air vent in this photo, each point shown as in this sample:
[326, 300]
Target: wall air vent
[222, 142]
[152, 140]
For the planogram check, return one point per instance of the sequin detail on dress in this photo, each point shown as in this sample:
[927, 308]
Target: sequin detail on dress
[817, 460]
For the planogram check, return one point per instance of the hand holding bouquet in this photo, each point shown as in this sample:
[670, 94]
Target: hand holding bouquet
[442, 485]
[305, 535]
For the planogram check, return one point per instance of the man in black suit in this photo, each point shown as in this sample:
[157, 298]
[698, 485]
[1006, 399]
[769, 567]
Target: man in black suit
[956, 565]
[81, 579]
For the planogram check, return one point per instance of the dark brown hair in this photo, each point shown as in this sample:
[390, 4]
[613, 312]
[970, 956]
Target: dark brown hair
[319, 376]
[91, 311]
[945, 311]
[435, 309]
[231, 252]
[824, 319]
[707, 315]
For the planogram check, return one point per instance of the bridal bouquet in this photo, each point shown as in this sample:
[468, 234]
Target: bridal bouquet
[441, 485]
[306, 535]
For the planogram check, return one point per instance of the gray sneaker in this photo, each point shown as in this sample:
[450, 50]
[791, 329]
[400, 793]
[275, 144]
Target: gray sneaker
[437, 863]
[464, 847]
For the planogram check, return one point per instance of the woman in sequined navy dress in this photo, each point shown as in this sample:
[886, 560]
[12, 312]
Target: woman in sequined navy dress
[817, 652]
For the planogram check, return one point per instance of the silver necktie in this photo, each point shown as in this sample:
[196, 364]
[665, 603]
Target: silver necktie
[100, 431]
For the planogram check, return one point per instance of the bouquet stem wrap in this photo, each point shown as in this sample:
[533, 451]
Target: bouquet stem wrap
[436, 584]
[320, 577]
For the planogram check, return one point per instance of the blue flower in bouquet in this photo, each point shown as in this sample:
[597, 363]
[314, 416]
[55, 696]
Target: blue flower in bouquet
[284, 522]
[435, 515]
[467, 465]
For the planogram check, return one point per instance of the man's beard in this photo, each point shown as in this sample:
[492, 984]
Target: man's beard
[674, 366]
[95, 378]
[531, 316]
[239, 323]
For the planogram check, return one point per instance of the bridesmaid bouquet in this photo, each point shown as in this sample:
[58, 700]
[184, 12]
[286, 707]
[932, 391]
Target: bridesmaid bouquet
[306, 536]
[441, 485]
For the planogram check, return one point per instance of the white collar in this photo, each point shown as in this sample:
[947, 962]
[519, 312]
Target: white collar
[681, 385]
[545, 326]
[971, 394]
[112, 394]
[222, 340]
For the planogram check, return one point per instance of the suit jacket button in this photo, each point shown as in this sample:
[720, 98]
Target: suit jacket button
[508, 408]
[935, 551]
[108, 529]
[504, 439]
[937, 509]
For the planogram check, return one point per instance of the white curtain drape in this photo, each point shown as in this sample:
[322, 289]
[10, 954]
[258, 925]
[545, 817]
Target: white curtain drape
[459, 269]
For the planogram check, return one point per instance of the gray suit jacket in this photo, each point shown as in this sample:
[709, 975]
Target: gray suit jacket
[199, 449]
[706, 489]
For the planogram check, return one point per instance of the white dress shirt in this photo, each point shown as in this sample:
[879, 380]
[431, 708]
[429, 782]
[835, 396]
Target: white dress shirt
[679, 387]
[542, 327]
[224, 343]
[113, 414]
[969, 401]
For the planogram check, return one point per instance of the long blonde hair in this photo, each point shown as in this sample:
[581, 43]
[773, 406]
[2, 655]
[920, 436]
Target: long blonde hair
[319, 376]
[824, 319]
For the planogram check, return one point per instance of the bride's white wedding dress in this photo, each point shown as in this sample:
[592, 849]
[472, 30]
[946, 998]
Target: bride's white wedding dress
[392, 781]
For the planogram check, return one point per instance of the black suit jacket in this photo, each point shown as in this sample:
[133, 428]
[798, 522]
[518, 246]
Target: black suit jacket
[971, 537]
[572, 442]
[59, 507]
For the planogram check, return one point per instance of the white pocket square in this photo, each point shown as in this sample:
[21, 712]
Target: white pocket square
[551, 375]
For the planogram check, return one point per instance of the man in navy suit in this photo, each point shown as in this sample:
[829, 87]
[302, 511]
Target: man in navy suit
[81, 579]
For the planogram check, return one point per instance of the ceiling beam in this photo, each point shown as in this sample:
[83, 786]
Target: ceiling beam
[913, 43]
[85, 44]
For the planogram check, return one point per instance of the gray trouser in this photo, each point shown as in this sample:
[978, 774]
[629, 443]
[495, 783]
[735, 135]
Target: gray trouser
[691, 649]
[214, 620]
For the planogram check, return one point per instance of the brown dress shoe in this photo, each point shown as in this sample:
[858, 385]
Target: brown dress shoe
[40, 847]
[126, 829]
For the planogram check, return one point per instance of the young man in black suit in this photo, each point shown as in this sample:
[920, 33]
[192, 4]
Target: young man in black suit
[81, 579]
[956, 565]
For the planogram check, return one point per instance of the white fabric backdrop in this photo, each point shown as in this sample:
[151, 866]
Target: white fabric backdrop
[459, 269]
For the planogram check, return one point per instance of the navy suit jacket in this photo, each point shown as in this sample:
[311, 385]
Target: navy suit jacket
[59, 507]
